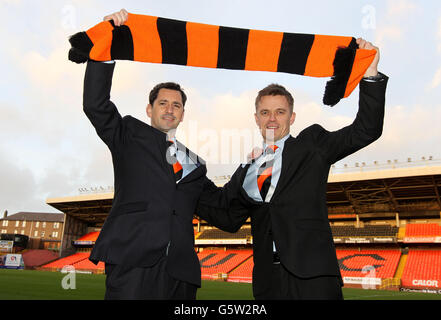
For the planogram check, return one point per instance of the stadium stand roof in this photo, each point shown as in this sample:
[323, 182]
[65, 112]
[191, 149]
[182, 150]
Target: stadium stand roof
[90, 208]
[369, 193]
[406, 191]
[36, 216]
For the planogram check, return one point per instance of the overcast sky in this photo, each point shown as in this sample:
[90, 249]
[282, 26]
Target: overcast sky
[49, 148]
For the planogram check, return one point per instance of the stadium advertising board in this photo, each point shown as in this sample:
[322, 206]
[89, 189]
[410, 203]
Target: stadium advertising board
[362, 280]
[83, 242]
[425, 283]
[220, 241]
[365, 240]
[6, 245]
[422, 240]
[420, 290]
[13, 261]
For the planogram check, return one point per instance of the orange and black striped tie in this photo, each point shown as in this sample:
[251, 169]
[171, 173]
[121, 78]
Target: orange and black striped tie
[177, 167]
[265, 172]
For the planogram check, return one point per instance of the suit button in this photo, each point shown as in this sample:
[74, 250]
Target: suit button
[174, 212]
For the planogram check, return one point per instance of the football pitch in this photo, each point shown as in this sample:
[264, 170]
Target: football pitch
[44, 285]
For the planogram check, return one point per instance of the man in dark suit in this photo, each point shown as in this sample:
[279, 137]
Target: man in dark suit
[283, 191]
[147, 240]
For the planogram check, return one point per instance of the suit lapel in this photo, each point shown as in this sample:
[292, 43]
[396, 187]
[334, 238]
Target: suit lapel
[193, 156]
[161, 139]
[195, 174]
[200, 170]
[241, 180]
[290, 159]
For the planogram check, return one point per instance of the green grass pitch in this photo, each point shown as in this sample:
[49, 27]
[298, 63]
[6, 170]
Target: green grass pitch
[43, 285]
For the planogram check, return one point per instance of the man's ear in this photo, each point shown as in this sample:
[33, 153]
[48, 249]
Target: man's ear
[293, 118]
[182, 116]
[257, 120]
[149, 110]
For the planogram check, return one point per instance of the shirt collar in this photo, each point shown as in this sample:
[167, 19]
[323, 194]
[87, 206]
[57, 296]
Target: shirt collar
[279, 143]
[172, 140]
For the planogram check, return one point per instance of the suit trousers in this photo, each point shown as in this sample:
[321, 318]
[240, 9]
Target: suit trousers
[149, 283]
[287, 286]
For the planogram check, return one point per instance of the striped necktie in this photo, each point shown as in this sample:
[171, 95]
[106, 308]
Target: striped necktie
[177, 167]
[265, 171]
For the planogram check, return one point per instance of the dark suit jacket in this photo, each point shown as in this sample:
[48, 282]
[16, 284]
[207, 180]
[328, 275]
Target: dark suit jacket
[296, 218]
[149, 209]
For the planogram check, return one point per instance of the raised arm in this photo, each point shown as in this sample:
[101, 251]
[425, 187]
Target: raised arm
[96, 97]
[368, 124]
[97, 105]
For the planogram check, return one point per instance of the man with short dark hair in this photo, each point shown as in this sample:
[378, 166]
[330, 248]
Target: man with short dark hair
[147, 240]
[166, 85]
[283, 191]
[275, 89]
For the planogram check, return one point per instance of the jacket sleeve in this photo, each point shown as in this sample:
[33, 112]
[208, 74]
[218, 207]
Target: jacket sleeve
[97, 106]
[366, 128]
[222, 207]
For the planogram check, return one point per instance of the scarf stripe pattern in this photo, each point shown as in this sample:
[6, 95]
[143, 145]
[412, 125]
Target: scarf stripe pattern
[160, 40]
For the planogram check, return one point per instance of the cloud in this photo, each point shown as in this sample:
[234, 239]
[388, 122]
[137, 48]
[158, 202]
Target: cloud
[386, 33]
[408, 131]
[401, 8]
[17, 186]
[438, 34]
[392, 26]
[436, 81]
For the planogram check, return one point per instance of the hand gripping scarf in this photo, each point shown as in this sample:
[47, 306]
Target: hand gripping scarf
[159, 40]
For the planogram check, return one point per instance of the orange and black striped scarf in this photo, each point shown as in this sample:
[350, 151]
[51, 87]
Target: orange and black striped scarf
[159, 40]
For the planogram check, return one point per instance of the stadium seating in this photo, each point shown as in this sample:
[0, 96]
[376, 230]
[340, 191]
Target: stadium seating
[69, 260]
[215, 233]
[355, 263]
[86, 264]
[214, 262]
[36, 257]
[420, 269]
[423, 230]
[79, 260]
[366, 231]
[423, 269]
[91, 236]
[243, 273]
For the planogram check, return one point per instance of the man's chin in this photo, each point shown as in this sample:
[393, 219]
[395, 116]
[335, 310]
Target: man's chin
[164, 128]
[270, 135]
[167, 129]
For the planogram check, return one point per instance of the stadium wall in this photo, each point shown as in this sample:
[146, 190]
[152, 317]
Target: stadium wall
[73, 229]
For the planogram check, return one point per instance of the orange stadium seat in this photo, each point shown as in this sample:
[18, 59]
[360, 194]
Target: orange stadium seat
[214, 262]
[91, 236]
[86, 264]
[366, 231]
[38, 257]
[355, 263]
[423, 230]
[423, 269]
[69, 260]
[243, 273]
